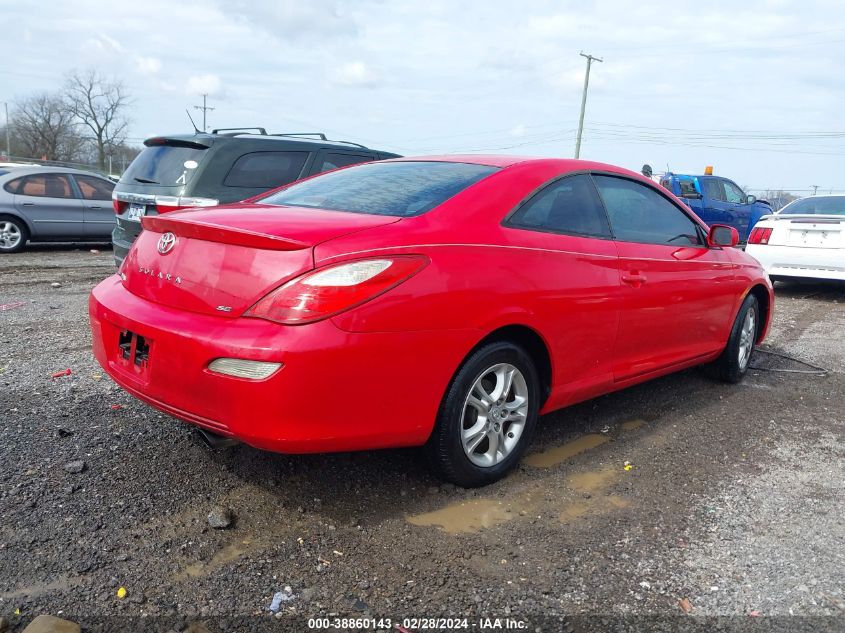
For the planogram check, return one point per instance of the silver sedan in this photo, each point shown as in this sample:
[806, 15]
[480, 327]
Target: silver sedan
[50, 204]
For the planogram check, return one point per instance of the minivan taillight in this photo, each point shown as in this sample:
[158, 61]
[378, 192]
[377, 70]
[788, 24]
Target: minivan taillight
[119, 205]
[760, 235]
[328, 291]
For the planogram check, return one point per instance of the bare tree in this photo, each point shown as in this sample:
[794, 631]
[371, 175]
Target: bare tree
[42, 127]
[98, 104]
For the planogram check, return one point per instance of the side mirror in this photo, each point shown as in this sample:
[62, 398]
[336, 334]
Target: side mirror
[722, 235]
[749, 199]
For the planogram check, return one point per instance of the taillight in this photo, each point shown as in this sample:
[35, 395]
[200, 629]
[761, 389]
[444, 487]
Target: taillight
[328, 291]
[119, 205]
[760, 235]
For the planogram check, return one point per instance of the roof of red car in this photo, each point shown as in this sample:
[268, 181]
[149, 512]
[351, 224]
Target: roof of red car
[497, 160]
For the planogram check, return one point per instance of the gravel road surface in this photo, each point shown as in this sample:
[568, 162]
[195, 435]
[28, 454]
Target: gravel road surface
[730, 513]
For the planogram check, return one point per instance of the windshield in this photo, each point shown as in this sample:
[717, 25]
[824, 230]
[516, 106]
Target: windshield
[400, 189]
[166, 165]
[816, 205]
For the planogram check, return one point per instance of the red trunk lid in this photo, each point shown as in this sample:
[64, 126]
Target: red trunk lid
[224, 260]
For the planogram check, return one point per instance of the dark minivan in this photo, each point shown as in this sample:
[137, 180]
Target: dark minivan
[227, 165]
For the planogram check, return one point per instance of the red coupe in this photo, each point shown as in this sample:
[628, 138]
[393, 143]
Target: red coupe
[441, 301]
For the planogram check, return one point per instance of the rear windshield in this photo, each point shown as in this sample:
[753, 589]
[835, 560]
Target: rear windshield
[400, 189]
[833, 205]
[166, 165]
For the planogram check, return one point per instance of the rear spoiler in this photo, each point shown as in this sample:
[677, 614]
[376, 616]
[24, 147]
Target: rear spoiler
[220, 234]
[158, 141]
[815, 218]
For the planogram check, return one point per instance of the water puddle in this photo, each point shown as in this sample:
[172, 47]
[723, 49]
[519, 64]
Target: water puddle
[57, 586]
[592, 480]
[593, 485]
[558, 454]
[474, 515]
[228, 554]
[632, 425]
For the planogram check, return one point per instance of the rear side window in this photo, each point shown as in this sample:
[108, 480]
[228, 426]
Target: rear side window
[639, 214]
[45, 186]
[336, 161]
[834, 205]
[570, 205]
[165, 165]
[399, 189]
[266, 170]
[94, 188]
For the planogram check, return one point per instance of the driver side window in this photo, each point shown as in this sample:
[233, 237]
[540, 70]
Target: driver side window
[639, 214]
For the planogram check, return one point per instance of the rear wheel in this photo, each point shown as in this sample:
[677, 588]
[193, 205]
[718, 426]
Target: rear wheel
[487, 416]
[13, 234]
[732, 365]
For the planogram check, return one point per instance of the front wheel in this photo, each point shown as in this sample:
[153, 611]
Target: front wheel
[732, 365]
[487, 416]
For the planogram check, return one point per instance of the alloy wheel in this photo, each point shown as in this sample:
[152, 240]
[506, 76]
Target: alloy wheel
[10, 235]
[746, 339]
[494, 414]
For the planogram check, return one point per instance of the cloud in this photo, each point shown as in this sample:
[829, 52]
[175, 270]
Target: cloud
[355, 74]
[203, 84]
[292, 19]
[105, 44]
[147, 65]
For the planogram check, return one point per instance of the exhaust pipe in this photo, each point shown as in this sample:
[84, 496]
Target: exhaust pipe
[215, 441]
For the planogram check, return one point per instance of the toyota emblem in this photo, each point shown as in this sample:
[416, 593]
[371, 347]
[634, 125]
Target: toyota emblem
[166, 243]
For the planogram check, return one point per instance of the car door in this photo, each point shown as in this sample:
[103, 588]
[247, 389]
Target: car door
[715, 208]
[736, 200]
[327, 160]
[98, 212]
[677, 294]
[49, 202]
[572, 279]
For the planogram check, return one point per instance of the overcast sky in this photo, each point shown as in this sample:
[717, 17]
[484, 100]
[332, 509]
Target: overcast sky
[756, 89]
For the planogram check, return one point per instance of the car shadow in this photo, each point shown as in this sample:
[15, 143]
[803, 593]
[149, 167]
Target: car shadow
[58, 247]
[813, 289]
[371, 486]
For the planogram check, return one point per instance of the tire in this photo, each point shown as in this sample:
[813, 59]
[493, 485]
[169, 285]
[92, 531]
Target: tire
[733, 364]
[505, 429]
[13, 234]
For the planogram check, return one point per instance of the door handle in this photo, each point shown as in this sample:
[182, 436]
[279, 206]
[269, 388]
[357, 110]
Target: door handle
[28, 204]
[634, 279]
[95, 207]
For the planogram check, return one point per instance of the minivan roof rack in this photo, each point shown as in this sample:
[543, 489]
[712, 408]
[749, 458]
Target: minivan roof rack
[319, 135]
[261, 130]
[237, 131]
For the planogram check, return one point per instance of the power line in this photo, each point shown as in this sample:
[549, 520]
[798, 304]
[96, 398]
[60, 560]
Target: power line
[205, 108]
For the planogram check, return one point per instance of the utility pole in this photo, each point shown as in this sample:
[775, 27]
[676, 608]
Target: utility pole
[815, 188]
[590, 60]
[8, 143]
[204, 109]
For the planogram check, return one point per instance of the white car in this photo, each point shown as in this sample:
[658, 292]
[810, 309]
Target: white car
[805, 239]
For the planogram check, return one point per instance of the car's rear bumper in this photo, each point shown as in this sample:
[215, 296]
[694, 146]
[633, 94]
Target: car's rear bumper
[124, 235]
[336, 390]
[800, 261]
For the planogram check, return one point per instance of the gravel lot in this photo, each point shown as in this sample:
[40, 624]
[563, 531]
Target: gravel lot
[731, 515]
